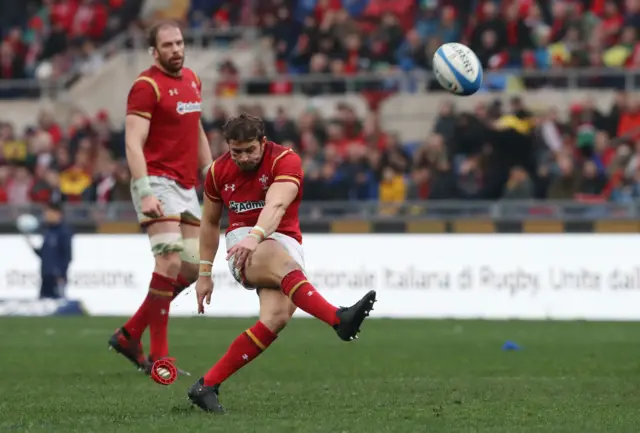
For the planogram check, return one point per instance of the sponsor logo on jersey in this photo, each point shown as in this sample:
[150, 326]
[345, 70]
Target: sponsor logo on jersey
[188, 107]
[245, 206]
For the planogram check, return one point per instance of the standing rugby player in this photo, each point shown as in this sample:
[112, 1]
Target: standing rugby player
[166, 146]
[260, 183]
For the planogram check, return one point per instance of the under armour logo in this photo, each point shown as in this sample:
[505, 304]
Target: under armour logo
[229, 186]
[310, 293]
[173, 92]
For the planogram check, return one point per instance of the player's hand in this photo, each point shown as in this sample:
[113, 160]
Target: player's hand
[242, 251]
[204, 289]
[151, 207]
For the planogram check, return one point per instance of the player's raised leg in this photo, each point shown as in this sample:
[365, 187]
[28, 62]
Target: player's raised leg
[275, 312]
[272, 266]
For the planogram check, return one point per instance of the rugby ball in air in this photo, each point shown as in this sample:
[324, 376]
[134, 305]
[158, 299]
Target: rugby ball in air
[457, 69]
[27, 223]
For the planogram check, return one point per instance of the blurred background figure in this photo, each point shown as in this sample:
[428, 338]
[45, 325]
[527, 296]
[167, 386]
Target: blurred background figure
[55, 253]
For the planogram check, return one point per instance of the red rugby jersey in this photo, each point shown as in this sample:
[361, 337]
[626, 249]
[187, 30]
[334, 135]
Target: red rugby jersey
[173, 105]
[244, 193]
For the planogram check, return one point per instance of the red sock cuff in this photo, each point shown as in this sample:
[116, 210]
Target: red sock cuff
[181, 282]
[261, 335]
[292, 282]
[161, 283]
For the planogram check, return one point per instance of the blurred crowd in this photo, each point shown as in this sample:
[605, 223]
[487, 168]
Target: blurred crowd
[493, 152]
[339, 37]
[343, 38]
[48, 38]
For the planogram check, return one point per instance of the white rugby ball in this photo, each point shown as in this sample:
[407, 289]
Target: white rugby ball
[27, 223]
[457, 69]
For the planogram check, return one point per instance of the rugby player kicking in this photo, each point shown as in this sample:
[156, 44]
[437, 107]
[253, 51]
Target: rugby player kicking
[165, 146]
[260, 182]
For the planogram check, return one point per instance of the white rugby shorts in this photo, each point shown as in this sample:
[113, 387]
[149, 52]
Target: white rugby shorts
[295, 249]
[178, 203]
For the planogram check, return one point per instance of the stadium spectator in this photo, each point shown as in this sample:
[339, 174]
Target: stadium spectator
[58, 36]
[492, 152]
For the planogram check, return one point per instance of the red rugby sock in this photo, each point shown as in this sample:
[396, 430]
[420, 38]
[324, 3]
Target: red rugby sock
[180, 284]
[158, 305]
[136, 325]
[244, 349]
[296, 286]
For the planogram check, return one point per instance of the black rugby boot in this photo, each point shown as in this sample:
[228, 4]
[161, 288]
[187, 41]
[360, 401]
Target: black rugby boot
[352, 317]
[205, 397]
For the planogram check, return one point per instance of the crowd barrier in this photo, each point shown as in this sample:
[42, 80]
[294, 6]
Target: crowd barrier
[555, 276]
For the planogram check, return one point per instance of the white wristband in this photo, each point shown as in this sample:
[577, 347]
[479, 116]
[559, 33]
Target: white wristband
[206, 262]
[258, 237]
[261, 230]
[204, 274]
[143, 186]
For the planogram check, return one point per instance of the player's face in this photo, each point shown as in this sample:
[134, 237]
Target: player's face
[169, 50]
[247, 155]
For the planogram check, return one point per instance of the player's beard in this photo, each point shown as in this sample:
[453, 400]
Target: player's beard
[252, 165]
[171, 65]
[249, 166]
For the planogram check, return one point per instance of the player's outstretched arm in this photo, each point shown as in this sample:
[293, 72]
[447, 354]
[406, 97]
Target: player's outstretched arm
[204, 152]
[279, 196]
[209, 241]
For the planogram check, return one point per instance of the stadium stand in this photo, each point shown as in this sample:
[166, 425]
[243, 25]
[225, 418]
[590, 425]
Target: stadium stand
[363, 132]
[52, 38]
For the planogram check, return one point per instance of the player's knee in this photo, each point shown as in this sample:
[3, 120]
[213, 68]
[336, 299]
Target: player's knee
[276, 318]
[168, 264]
[281, 267]
[166, 248]
[190, 253]
[289, 265]
[189, 272]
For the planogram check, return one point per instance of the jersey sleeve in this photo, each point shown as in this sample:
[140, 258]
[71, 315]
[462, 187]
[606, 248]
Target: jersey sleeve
[211, 186]
[287, 167]
[143, 97]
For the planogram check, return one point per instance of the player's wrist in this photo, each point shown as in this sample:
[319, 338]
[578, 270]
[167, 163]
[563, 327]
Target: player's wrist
[143, 186]
[259, 233]
[206, 267]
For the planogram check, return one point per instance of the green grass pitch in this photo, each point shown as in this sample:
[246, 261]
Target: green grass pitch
[400, 376]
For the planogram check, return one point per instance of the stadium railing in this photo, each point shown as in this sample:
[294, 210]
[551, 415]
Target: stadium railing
[311, 211]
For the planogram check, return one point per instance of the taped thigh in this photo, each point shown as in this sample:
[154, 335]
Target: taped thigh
[166, 243]
[191, 251]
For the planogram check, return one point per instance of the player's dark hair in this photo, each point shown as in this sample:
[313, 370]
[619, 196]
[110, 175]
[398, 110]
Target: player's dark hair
[244, 128]
[152, 37]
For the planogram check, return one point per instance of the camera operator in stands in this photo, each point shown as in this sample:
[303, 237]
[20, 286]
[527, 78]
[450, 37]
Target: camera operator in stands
[55, 252]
